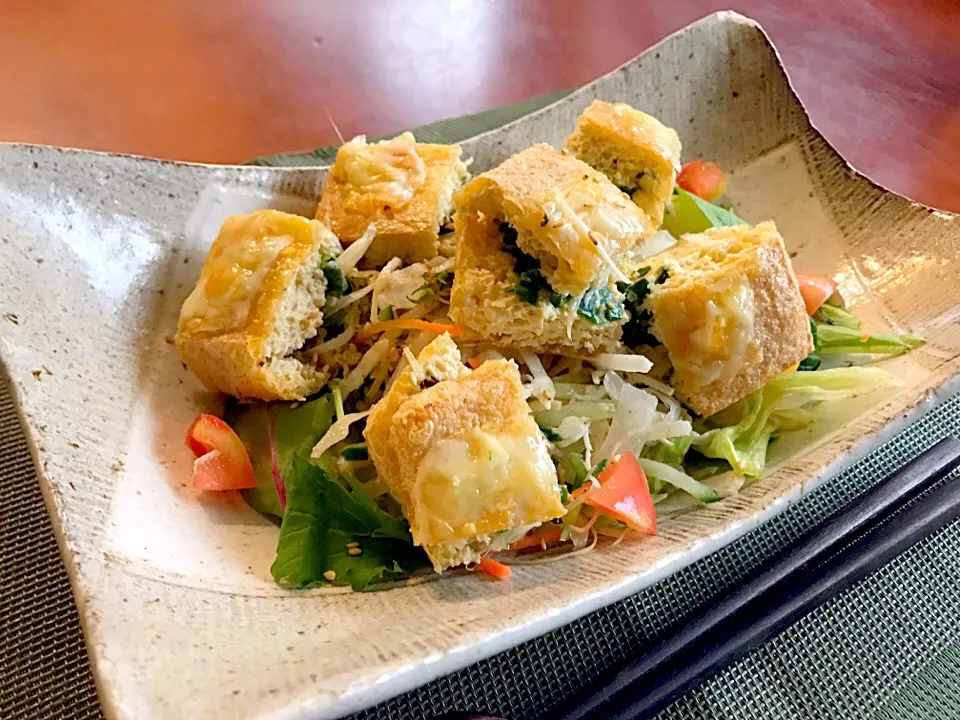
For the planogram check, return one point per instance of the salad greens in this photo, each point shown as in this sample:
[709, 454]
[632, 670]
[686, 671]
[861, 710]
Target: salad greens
[692, 214]
[322, 518]
[251, 424]
[839, 340]
[322, 512]
[337, 283]
[836, 331]
[741, 433]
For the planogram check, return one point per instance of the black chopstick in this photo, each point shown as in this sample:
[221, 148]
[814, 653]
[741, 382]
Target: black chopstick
[802, 578]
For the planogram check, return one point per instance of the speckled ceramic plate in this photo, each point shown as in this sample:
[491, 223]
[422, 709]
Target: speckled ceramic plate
[182, 620]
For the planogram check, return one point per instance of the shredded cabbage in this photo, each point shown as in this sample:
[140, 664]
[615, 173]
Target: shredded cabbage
[637, 422]
[541, 387]
[349, 258]
[591, 410]
[572, 429]
[679, 479]
[368, 362]
[398, 287]
[622, 362]
[347, 300]
[338, 432]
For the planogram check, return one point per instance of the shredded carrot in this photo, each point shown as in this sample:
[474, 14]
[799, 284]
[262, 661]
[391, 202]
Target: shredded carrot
[582, 490]
[494, 568]
[538, 539]
[474, 363]
[407, 324]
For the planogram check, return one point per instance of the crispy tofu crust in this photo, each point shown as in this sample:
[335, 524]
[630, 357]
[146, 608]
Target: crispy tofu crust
[730, 314]
[482, 304]
[527, 192]
[407, 229]
[636, 151]
[228, 324]
[440, 360]
[408, 422]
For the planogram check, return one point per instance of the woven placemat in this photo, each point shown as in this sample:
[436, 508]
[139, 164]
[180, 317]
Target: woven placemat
[889, 648]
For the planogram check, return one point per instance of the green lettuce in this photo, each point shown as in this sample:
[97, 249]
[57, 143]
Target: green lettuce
[834, 315]
[296, 429]
[669, 452]
[840, 340]
[836, 331]
[250, 423]
[322, 517]
[742, 432]
[689, 213]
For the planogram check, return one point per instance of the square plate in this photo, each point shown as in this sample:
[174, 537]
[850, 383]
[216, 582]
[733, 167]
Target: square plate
[180, 615]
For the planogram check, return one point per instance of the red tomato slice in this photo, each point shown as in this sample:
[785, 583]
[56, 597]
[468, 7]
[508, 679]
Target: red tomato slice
[222, 461]
[624, 495]
[703, 179]
[814, 289]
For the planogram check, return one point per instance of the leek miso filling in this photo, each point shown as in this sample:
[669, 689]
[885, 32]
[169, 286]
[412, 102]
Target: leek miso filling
[597, 305]
[636, 331]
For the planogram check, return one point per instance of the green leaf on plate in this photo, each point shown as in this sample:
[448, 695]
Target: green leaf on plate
[691, 214]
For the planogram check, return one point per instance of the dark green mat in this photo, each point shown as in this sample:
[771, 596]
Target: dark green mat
[887, 649]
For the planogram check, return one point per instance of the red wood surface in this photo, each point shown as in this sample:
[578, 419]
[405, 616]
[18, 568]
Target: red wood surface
[225, 80]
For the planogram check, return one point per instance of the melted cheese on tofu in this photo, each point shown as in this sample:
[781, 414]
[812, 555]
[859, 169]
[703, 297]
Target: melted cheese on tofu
[477, 483]
[231, 280]
[391, 167]
[588, 226]
[710, 338]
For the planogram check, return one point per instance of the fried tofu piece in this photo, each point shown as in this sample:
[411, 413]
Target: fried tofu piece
[535, 236]
[259, 299]
[460, 451]
[730, 314]
[637, 152]
[403, 187]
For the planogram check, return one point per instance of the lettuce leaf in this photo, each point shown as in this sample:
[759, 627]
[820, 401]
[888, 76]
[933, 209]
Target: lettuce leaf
[689, 213]
[250, 423]
[742, 432]
[296, 429]
[834, 315]
[836, 331]
[322, 517]
[840, 340]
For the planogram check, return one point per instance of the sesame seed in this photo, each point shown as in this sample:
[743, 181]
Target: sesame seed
[353, 544]
[330, 575]
[354, 551]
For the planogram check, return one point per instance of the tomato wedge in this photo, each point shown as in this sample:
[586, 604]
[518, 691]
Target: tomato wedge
[814, 289]
[703, 179]
[222, 461]
[494, 568]
[624, 495]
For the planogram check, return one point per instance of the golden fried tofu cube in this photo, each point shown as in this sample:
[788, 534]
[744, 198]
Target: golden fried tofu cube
[258, 301]
[730, 314]
[637, 152]
[463, 456]
[403, 187]
[545, 210]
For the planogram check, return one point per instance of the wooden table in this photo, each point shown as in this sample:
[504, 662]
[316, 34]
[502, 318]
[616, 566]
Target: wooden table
[225, 80]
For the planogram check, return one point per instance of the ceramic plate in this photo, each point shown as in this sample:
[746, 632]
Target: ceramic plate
[180, 615]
